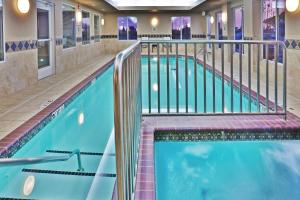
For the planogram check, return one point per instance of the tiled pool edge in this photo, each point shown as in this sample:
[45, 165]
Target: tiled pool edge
[11, 143]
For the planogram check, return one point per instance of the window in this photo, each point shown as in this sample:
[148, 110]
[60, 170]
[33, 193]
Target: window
[85, 27]
[69, 26]
[1, 33]
[181, 28]
[97, 28]
[273, 25]
[238, 26]
[127, 27]
[219, 27]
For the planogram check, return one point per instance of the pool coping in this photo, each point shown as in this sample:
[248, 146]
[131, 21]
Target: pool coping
[16, 139]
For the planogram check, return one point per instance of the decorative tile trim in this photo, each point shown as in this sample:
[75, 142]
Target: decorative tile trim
[79, 39]
[14, 141]
[14, 46]
[202, 36]
[292, 44]
[215, 135]
[154, 35]
[248, 38]
[109, 36]
[59, 41]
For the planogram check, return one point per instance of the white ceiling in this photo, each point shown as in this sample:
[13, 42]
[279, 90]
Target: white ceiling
[155, 4]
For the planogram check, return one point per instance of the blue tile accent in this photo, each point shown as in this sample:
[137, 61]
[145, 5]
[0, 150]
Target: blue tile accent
[14, 46]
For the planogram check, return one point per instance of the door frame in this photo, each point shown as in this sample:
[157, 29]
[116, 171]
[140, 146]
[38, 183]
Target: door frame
[48, 70]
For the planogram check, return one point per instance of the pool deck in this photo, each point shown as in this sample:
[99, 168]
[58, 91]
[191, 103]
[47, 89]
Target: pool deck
[24, 110]
[145, 181]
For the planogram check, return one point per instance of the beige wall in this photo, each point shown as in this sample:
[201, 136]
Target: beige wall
[20, 69]
[144, 23]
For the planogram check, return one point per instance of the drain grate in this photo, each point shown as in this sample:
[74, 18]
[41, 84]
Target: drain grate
[45, 171]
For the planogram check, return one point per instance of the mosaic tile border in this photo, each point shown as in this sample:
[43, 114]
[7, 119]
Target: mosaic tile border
[292, 44]
[15, 46]
[59, 41]
[10, 144]
[221, 135]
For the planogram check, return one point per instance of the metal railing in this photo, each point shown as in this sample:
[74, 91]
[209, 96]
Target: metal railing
[5, 162]
[192, 95]
[127, 116]
[128, 81]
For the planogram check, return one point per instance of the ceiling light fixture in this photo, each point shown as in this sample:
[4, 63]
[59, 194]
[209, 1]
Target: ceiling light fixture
[292, 5]
[23, 6]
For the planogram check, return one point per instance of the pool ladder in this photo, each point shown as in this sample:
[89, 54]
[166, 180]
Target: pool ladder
[4, 162]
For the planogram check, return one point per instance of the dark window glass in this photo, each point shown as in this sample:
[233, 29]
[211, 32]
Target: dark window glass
[97, 28]
[127, 27]
[181, 28]
[85, 27]
[238, 26]
[69, 26]
[1, 33]
[273, 11]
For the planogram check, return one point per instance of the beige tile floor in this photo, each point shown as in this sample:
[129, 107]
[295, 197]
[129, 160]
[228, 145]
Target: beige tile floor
[17, 108]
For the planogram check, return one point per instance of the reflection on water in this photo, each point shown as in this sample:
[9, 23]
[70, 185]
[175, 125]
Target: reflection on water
[227, 170]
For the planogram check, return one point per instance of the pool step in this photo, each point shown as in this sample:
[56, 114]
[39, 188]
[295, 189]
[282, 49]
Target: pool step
[82, 153]
[44, 171]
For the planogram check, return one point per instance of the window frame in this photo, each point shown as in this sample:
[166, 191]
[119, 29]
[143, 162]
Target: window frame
[181, 26]
[3, 35]
[263, 49]
[243, 25]
[62, 19]
[127, 28]
[99, 25]
[89, 36]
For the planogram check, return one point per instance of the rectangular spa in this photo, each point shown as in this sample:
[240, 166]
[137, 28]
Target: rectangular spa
[227, 170]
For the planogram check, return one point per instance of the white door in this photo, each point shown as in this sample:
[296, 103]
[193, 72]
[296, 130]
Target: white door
[45, 41]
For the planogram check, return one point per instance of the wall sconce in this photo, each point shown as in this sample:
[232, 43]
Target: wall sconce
[23, 6]
[102, 21]
[212, 19]
[154, 22]
[292, 5]
[224, 17]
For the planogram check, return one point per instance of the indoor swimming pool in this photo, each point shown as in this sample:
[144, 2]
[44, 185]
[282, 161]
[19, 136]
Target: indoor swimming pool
[227, 170]
[85, 124]
[191, 88]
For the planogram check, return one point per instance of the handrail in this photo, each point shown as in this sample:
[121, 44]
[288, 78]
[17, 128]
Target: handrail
[4, 162]
[269, 42]
[127, 117]
[247, 56]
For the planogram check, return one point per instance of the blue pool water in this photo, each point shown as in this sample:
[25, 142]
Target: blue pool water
[248, 170]
[85, 124]
[191, 88]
